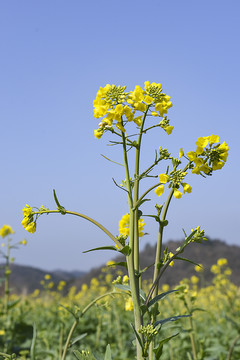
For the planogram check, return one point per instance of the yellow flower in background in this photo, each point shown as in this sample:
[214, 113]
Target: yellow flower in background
[124, 225]
[47, 277]
[125, 279]
[165, 287]
[6, 230]
[194, 280]
[199, 268]
[222, 262]
[2, 332]
[129, 304]
[172, 262]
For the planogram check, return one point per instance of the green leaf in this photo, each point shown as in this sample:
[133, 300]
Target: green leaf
[11, 304]
[184, 259]
[111, 160]
[159, 297]
[102, 248]
[33, 345]
[123, 287]
[108, 355]
[173, 318]
[78, 338]
[158, 350]
[77, 354]
[137, 336]
[122, 263]
[126, 250]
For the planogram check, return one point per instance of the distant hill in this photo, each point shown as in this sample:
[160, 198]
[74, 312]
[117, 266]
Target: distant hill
[25, 279]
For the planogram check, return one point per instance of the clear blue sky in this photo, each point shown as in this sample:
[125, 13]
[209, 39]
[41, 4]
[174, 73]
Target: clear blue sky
[54, 57]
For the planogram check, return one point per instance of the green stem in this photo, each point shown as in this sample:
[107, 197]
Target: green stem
[130, 258]
[232, 347]
[69, 338]
[136, 195]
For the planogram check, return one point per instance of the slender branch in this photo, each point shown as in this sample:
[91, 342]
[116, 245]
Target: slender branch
[86, 218]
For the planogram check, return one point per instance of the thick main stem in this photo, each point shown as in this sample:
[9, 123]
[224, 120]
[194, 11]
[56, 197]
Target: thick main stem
[130, 258]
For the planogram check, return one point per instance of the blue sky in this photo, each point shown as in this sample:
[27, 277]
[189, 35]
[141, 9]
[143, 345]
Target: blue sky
[54, 57]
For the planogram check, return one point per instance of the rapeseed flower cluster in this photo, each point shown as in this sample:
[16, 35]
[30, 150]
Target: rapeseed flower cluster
[175, 179]
[6, 230]
[118, 107]
[209, 155]
[124, 225]
[27, 221]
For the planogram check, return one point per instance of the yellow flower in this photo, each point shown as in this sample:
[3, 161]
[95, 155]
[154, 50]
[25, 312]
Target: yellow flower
[138, 120]
[215, 269]
[163, 178]
[172, 262]
[31, 227]
[125, 279]
[6, 230]
[186, 188]
[169, 129]
[148, 100]
[124, 226]
[47, 277]
[165, 287]
[222, 262]
[177, 194]
[23, 242]
[110, 263]
[27, 210]
[181, 153]
[199, 268]
[159, 190]
[98, 133]
[194, 279]
[129, 304]
[2, 332]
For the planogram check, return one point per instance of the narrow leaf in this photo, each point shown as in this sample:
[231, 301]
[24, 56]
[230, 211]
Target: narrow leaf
[78, 338]
[108, 355]
[102, 248]
[158, 350]
[137, 336]
[184, 259]
[173, 318]
[121, 263]
[111, 160]
[123, 287]
[159, 297]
